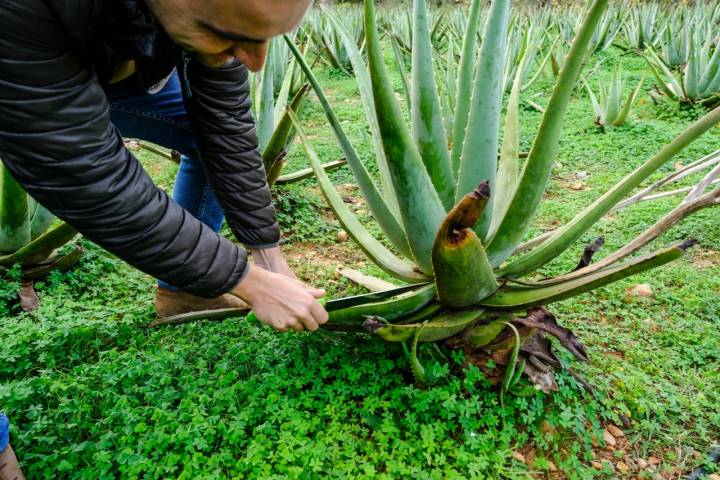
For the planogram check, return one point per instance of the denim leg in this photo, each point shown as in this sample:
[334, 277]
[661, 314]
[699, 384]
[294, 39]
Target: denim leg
[161, 118]
[4, 432]
[194, 193]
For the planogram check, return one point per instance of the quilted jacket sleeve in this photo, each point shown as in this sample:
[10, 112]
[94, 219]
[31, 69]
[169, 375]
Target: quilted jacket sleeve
[56, 139]
[218, 103]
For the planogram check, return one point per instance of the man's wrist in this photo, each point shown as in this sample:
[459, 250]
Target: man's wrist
[268, 256]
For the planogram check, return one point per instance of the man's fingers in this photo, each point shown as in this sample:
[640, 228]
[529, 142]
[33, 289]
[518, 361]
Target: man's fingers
[310, 324]
[319, 313]
[296, 325]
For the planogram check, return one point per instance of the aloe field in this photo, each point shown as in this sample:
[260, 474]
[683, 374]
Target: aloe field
[541, 181]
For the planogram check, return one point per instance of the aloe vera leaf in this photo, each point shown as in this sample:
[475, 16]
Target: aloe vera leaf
[536, 171]
[714, 86]
[690, 79]
[393, 309]
[362, 75]
[520, 297]
[282, 135]
[425, 112]
[400, 63]
[517, 375]
[441, 327]
[266, 108]
[420, 207]
[478, 162]
[612, 102]
[712, 69]
[417, 369]
[431, 310]
[464, 85]
[375, 250]
[682, 211]
[14, 218]
[597, 109]
[306, 173]
[481, 335]
[215, 315]
[462, 272]
[629, 104]
[60, 263]
[512, 362]
[509, 165]
[451, 78]
[284, 94]
[672, 83]
[538, 73]
[375, 200]
[660, 81]
[570, 232]
[40, 248]
[40, 219]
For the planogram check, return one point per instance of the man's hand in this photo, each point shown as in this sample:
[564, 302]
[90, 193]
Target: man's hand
[280, 301]
[272, 260]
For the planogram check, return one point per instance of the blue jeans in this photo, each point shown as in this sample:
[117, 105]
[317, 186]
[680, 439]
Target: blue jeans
[161, 119]
[4, 432]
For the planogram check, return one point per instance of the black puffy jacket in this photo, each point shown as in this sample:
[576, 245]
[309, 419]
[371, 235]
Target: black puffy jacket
[57, 140]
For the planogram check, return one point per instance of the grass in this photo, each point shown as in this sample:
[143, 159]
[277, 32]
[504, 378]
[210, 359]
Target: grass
[93, 394]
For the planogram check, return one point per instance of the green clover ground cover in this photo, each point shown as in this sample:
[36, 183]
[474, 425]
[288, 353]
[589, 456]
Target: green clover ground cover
[93, 394]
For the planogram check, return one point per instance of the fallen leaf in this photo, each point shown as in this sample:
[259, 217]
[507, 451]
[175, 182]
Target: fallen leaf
[615, 431]
[608, 438]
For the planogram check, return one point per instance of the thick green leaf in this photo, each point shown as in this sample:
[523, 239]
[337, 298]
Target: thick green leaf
[375, 200]
[569, 233]
[40, 248]
[628, 105]
[400, 65]
[281, 138]
[425, 112]
[536, 172]
[464, 85]
[375, 250]
[478, 162]
[362, 75]
[40, 219]
[509, 159]
[14, 215]
[265, 122]
[420, 207]
[516, 298]
[443, 326]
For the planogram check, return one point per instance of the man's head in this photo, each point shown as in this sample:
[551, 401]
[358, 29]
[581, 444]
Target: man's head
[220, 30]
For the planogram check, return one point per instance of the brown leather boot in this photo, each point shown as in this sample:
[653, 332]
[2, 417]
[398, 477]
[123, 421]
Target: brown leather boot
[9, 468]
[169, 303]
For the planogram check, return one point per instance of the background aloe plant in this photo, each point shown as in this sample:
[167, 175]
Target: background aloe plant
[608, 105]
[27, 239]
[698, 80]
[456, 212]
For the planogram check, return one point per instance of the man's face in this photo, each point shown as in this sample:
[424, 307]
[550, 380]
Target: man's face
[222, 30]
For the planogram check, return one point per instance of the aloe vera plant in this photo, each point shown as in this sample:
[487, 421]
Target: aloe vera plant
[456, 214]
[26, 238]
[608, 105]
[277, 89]
[641, 28]
[698, 81]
